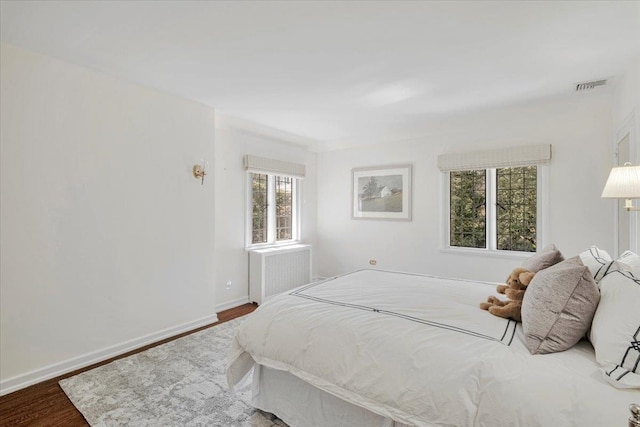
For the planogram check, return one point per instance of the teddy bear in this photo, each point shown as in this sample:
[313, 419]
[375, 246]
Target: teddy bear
[515, 288]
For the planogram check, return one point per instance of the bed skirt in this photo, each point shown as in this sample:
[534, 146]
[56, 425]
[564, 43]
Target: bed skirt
[300, 404]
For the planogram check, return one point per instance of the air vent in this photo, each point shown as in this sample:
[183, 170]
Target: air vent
[590, 85]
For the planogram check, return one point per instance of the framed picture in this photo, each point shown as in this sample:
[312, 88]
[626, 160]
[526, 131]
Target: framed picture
[381, 193]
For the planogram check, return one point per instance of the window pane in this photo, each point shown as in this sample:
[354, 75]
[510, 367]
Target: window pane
[516, 208]
[467, 220]
[259, 202]
[284, 208]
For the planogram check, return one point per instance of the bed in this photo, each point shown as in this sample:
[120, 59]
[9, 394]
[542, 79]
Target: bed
[380, 348]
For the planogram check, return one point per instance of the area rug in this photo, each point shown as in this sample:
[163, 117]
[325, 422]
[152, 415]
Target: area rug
[180, 383]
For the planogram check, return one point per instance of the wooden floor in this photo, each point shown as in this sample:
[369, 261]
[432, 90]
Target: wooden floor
[45, 404]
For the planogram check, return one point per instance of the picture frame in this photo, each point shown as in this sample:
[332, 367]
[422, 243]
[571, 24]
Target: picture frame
[382, 192]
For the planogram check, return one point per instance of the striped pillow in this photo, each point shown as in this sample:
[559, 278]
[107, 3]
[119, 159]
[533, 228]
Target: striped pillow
[632, 260]
[615, 331]
[596, 259]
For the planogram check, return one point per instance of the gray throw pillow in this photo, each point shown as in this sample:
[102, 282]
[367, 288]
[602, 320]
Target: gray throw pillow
[558, 307]
[547, 257]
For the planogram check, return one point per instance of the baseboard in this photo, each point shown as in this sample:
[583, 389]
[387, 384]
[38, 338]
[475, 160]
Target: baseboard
[232, 304]
[317, 279]
[38, 375]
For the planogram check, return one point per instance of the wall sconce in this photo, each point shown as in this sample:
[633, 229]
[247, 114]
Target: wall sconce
[624, 183]
[199, 171]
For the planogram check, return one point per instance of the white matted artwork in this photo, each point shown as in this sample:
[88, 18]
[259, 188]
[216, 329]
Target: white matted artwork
[382, 192]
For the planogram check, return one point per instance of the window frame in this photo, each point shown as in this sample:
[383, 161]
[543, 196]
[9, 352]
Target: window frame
[542, 211]
[296, 200]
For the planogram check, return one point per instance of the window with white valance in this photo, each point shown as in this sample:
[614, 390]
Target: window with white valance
[494, 199]
[273, 200]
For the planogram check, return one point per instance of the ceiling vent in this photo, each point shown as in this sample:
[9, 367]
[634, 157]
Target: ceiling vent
[590, 85]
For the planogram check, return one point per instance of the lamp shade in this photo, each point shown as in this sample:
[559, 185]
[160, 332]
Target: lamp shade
[623, 183]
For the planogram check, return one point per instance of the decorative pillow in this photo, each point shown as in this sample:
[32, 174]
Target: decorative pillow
[632, 260]
[558, 307]
[595, 258]
[547, 257]
[615, 331]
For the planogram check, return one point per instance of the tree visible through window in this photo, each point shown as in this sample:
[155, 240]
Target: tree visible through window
[284, 208]
[468, 209]
[508, 223]
[516, 207]
[259, 185]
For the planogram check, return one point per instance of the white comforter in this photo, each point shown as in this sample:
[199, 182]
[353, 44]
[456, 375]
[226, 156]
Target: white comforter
[419, 350]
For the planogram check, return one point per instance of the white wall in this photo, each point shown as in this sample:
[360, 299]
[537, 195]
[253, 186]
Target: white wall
[578, 127]
[106, 238]
[232, 144]
[626, 93]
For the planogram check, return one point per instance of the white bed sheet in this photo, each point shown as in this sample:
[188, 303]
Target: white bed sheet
[417, 349]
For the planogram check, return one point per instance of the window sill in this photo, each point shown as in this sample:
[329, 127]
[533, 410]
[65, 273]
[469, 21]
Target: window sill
[282, 245]
[488, 253]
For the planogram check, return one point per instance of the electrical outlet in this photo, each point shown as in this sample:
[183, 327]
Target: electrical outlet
[228, 285]
[373, 262]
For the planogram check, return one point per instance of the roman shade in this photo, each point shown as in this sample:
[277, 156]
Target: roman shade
[264, 165]
[504, 157]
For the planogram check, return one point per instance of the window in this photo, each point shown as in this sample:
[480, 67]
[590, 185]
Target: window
[467, 212]
[273, 207]
[495, 201]
[495, 208]
[284, 208]
[517, 208]
[273, 200]
[259, 186]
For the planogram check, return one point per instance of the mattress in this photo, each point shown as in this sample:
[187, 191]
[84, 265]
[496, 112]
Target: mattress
[416, 349]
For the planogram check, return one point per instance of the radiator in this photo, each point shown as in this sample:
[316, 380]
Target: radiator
[276, 270]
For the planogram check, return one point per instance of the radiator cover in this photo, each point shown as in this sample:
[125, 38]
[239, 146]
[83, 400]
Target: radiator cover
[276, 270]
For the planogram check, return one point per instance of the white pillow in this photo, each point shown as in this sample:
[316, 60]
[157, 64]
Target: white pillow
[632, 260]
[596, 259]
[615, 331]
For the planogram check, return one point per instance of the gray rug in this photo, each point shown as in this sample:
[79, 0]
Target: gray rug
[180, 383]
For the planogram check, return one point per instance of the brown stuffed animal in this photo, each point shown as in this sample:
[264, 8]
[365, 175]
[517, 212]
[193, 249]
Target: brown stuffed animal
[517, 283]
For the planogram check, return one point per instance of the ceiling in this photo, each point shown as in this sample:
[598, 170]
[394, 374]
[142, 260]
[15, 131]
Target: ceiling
[338, 72]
